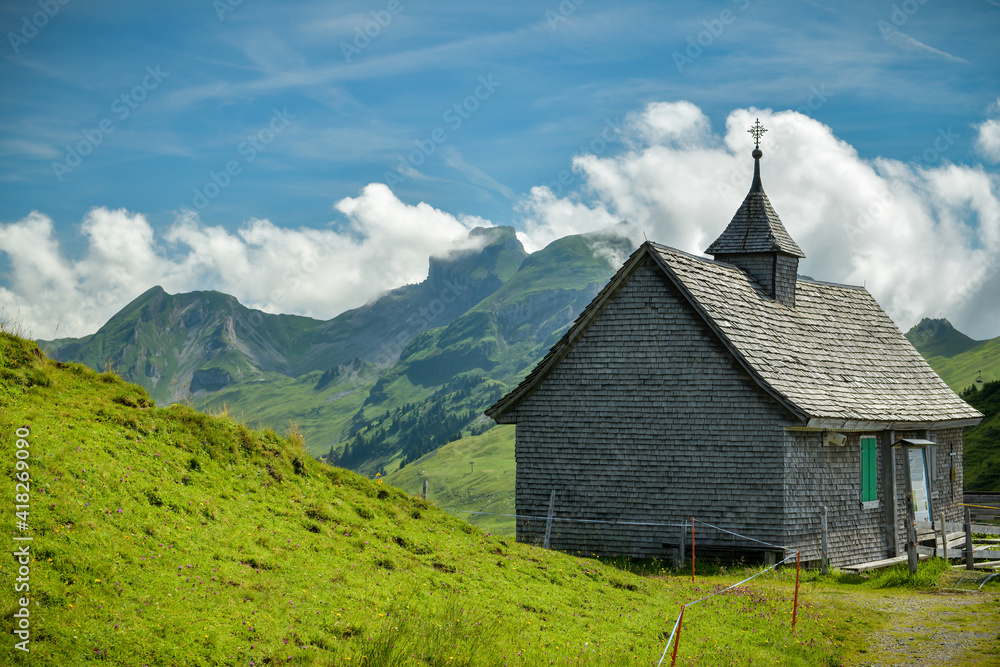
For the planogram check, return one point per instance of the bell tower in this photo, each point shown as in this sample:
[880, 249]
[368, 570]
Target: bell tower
[757, 242]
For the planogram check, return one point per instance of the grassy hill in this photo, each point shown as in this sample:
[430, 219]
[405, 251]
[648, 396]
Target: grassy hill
[487, 485]
[163, 536]
[958, 359]
[982, 451]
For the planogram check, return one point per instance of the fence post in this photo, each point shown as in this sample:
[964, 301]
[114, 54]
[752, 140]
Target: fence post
[795, 605]
[425, 490]
[680, 553]
[911, 535]
[823, 558]
[677, 639]
[692, 550]
[944, 537]
[548, 522]
[970, 562]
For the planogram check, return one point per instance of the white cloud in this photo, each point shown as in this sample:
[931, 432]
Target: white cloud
[925, 240]
[988, 138]
[317, 272]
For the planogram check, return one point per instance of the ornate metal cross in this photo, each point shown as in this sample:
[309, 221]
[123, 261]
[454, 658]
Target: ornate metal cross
[757, 131]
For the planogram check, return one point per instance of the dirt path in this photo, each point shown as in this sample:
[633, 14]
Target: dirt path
[939, 628]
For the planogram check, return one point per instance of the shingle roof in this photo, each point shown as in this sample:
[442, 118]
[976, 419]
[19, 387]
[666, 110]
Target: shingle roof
[755, 228]
[835, 355]
[834, 360]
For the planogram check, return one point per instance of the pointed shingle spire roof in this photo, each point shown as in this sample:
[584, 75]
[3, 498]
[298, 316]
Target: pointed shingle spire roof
[755, 227]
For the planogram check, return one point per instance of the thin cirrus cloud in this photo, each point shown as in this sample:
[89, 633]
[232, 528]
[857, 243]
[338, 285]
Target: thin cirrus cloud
[895, 227]
[908, 44]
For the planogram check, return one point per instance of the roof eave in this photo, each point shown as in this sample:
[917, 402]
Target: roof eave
[834, 424]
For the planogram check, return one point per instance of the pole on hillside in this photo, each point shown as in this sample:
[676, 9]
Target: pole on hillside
[823, 557]
[970, 562]
[795, 605]
[683, 540]
[911, 535]
[677, 639]
[944, 537]
[548, 522]
[692, 556]
[911, 520]
[424, 494]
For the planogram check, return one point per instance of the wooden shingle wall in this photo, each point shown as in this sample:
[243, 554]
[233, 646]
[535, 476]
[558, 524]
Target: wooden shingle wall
[649, 419]
[819, 474]
[759, 265]
[785, 276]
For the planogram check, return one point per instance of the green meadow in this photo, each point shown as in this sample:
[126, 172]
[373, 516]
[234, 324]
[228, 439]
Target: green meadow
[165, 536]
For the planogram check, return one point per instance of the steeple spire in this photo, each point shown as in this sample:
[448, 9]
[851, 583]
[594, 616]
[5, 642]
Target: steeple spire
[757, 242]
[757, 130]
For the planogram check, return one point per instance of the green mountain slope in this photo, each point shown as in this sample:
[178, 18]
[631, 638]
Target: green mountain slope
[471, 475]
[958, 359]
[179, 345]
[162, 536]
[444, 376]
[982, 442]
[447, 376]
[176, 345]
[961, 361]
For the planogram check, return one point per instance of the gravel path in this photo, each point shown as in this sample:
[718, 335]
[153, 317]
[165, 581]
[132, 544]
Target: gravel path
[940, 628]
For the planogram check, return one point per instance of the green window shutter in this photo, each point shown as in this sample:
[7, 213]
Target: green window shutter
[869, 454]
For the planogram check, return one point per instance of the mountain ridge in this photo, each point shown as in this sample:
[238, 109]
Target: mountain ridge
[177, 345]
[376, 385]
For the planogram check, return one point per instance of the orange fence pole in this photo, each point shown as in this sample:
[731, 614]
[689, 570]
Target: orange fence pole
[677, 638]
[795, 605]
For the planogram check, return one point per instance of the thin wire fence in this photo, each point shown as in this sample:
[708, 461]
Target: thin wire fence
[674, 638]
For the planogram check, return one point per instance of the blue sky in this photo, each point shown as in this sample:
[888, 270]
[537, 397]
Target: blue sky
[226, 119]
